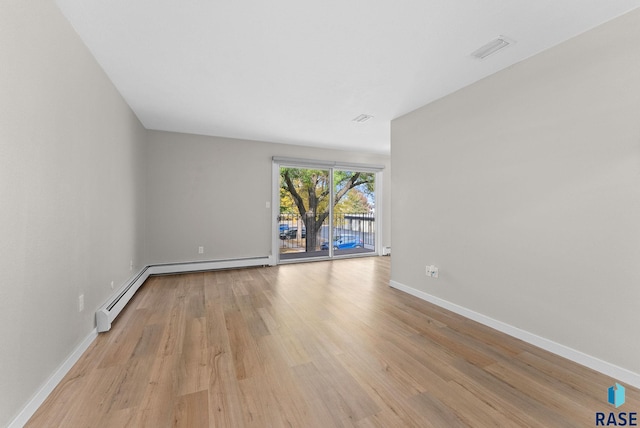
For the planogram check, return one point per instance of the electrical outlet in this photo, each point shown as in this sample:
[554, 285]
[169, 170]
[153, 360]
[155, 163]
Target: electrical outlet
[81, 303]
[432, 271]
[131, 265]
[200, 250]
[267, 204]
[112, 285]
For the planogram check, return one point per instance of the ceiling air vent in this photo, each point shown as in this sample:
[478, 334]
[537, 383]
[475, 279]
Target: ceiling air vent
[362, 118]
[492, 47]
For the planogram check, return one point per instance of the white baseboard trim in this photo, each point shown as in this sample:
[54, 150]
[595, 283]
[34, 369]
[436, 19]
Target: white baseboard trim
[171, 268]
[576, 356]
[42, 394]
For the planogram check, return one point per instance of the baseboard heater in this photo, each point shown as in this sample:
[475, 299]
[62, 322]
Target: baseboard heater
[110, 310]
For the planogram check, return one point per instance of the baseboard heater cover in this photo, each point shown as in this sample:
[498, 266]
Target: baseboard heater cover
[110, 310]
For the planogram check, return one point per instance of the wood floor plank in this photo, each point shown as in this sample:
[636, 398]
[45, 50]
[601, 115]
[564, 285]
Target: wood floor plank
[192, 371]
[512, 402]
[328, 404]
[156, 408]
[282, 383]
[225, 404]
[149, 341]
[292, 349]
[189, 410]
[326, 344]
[243, 346]
[545, 394]
[440, 415]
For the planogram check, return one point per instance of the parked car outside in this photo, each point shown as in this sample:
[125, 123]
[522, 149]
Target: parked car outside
[342, 242]
[292, 233]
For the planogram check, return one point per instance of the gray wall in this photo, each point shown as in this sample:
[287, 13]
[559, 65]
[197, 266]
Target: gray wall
[524, 189]
[211, 192]
[71, 189]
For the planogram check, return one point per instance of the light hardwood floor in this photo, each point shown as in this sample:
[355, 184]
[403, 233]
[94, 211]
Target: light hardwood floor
[313, 345]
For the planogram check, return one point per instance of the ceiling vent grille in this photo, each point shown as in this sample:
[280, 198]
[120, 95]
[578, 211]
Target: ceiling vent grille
[362, 118]
[492, 47]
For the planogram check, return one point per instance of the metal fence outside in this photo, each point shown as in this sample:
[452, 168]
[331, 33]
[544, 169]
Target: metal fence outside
[355, 226]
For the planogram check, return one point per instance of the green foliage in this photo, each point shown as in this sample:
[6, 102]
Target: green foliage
[286, 202]
[355, 202]
[307, 190]
[365, 183]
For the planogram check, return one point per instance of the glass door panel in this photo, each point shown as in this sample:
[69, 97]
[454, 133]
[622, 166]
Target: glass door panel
[303, 221]
[354, 212]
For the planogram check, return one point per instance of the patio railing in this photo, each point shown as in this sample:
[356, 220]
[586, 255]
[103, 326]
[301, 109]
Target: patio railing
[354, 226]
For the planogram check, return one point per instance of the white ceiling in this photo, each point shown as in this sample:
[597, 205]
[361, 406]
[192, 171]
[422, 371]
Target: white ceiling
[299, 71]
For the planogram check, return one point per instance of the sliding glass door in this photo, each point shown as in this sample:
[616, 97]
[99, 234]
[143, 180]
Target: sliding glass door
[325, 212]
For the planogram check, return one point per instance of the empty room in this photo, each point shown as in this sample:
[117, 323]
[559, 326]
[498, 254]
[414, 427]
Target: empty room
[350, 214]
